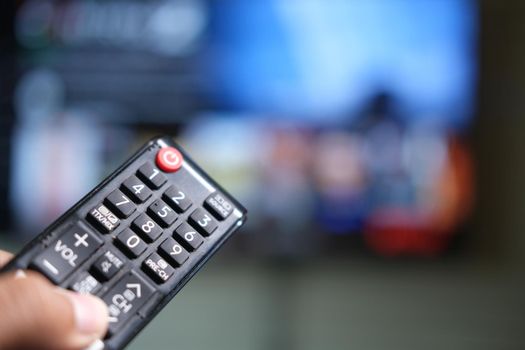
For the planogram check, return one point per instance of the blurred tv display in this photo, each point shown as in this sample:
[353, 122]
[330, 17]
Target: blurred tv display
[328, 120]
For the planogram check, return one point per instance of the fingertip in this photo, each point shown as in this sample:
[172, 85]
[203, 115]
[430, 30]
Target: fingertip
[91, 314]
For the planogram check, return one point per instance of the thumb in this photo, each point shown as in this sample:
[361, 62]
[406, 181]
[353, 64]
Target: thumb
[34, 314]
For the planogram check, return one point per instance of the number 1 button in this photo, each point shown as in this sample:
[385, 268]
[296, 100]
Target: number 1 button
[151, 176]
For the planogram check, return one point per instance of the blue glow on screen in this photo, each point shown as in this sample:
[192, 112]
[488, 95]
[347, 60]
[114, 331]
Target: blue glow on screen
[324, 60]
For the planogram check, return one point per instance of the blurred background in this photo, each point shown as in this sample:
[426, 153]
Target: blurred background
[378, 146]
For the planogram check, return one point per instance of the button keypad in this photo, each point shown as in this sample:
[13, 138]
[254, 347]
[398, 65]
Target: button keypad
[135, 239]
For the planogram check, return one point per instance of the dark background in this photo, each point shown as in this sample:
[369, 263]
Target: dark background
[290, 289]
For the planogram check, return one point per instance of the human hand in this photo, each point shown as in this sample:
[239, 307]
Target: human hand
[34, 314]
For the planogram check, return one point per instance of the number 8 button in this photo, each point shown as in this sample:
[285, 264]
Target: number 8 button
[146, 227]
[188, 237]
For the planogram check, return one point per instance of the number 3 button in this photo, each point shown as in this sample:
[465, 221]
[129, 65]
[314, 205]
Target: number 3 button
[188, 237]
[203, 222]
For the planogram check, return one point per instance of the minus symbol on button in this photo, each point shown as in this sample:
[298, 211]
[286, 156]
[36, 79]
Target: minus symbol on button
[50, 266]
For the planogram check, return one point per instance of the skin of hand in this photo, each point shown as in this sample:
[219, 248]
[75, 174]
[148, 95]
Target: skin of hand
[34, 314]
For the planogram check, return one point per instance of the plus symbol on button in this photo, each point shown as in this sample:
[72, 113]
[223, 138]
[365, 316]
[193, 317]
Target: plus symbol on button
[81, 240]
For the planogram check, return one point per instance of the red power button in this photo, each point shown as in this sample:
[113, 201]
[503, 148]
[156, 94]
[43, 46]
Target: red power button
[169, 159]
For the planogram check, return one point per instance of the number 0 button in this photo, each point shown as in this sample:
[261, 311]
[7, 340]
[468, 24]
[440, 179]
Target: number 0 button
[130, 243]
[188, 237]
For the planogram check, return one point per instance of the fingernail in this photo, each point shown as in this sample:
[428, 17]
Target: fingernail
[91, 313]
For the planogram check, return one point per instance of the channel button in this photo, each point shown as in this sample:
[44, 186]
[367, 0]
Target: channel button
[67, 253]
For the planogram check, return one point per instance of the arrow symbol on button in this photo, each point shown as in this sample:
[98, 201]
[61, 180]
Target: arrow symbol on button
[137, 288]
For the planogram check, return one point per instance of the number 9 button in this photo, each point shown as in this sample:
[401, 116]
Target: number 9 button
[173, 252]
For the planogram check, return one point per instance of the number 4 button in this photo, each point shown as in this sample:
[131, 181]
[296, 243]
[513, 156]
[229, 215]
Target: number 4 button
[136, 189]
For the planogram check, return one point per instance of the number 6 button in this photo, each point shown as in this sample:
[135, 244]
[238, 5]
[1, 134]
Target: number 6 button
[187, 236]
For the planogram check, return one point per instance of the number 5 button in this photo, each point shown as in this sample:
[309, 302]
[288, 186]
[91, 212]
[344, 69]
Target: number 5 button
[162, 213]
[188, 237]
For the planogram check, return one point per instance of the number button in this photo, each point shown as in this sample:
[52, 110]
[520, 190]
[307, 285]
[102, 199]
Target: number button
[173, 252]
[136, 189]
[146, 227]
[203, 222]
[177, 199]
[162, 213]
[151, 176]
[188, 237]
[130, 243]
[120, 204]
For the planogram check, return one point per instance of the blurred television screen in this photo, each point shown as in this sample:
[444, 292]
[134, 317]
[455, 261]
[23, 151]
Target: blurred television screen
[329, 120]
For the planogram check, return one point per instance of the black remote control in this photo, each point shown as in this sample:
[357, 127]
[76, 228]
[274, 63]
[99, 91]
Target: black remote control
[137, 238]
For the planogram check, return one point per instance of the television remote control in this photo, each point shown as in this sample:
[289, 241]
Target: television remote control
[137, 238]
